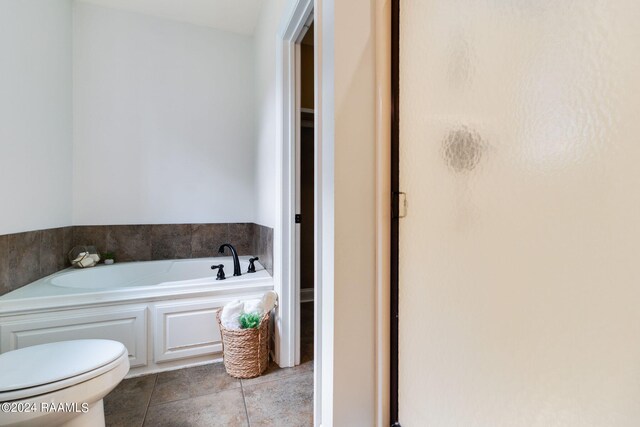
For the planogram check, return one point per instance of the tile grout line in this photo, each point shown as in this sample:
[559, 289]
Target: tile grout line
[155, 381]
[195, 396]
[244, 401]
[283, 377]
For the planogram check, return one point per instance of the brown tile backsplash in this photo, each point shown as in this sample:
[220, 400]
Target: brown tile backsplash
[263, 245]
[93, 235]
[26, 257]
[4, 265]
[207, 238]
[52, 251]
[129, 242]
[242, 238]
[170, 241]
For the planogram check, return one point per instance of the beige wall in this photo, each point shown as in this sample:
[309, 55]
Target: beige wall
[348, 203]
[519, 154]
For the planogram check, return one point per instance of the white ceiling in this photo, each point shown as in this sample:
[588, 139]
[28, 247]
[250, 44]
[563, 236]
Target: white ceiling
[238, 16]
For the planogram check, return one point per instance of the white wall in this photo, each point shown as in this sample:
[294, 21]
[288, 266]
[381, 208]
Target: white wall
[163, 121]
[348, 217]
[265, 107]
[35, 114]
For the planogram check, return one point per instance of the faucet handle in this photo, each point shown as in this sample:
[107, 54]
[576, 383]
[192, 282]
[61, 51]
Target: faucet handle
[252, 267]
[220, 268]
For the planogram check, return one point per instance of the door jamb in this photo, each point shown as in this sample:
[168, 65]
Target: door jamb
[287, 323]
[383, 213]
[395, 189]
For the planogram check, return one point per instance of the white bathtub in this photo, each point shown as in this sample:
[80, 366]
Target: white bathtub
[163, 311]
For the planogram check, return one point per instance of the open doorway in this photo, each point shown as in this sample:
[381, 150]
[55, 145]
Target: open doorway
[305, 187]
[298, 238]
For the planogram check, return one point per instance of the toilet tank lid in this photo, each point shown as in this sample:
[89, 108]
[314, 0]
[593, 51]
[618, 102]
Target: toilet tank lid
[47, 363]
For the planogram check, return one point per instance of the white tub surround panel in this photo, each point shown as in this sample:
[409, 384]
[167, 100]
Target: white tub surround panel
[178, 325]
[164, 312]
[126, 324]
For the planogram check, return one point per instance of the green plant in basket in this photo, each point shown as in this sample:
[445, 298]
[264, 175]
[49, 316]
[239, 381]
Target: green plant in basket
[249, 320]
[108, 258]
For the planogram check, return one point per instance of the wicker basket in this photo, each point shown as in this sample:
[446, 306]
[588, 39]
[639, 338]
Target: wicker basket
[245, 351]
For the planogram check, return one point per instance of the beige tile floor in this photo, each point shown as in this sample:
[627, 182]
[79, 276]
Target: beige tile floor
[207, 396]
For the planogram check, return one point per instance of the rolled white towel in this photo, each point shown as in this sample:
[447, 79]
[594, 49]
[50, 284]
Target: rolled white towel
[95, 258]
[230, 316]
[87, 262]
[269, 301]
[80, 256]
[254, 306]
[84, 260]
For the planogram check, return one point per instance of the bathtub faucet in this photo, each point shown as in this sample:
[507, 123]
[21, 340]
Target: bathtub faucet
[234, 254]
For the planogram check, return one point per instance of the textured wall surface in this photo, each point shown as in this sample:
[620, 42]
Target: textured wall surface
[26, 257]
[265, 79]
[348, 219]
[35, 115]
[163, 121]
[519, 154]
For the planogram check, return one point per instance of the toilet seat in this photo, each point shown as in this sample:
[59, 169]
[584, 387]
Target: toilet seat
[45, 368]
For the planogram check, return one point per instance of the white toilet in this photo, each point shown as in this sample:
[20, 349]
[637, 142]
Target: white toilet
[61, 383]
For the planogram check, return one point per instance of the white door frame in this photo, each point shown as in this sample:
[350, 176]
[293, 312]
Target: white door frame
[286, 276]
[287, 322]
[291, 27]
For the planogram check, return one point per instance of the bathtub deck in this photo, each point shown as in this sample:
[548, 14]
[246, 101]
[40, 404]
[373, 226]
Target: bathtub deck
[207, 396]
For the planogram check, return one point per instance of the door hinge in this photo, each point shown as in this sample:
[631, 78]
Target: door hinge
[399, 205]
[298, 218]
[402, 205]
